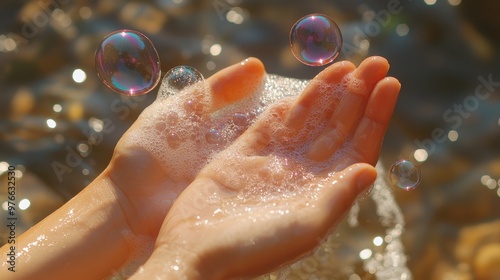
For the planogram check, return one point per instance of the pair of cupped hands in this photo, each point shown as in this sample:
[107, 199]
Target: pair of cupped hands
[261, 201]
[238, 233]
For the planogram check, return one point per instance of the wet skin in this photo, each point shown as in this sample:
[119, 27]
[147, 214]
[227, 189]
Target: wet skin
[133, 196]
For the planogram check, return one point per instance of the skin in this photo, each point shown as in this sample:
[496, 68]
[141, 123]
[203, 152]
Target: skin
[129, 198]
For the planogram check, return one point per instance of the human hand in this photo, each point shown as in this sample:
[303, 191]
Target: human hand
[127, 203]
[165, 148]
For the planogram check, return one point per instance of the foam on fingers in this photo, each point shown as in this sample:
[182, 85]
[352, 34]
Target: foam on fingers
[368, 73]
[324, 84]
[367, 139]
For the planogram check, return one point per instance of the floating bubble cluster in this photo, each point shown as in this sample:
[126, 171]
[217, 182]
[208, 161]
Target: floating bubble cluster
[179, 78]
[405, 174]
[127, 62]
[315, 40]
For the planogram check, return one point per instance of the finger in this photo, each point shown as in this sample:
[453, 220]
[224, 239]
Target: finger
[346, 116]
[235, 82]
[308, 100]
[367, 139]
[368, 73]
[268, 126]
[225, 87]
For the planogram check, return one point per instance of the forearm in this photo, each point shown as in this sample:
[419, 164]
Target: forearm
[81, 240]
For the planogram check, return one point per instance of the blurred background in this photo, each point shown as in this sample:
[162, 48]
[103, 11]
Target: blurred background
[444, 52]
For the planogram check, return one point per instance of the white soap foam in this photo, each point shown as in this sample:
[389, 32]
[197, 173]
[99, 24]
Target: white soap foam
[181, 136]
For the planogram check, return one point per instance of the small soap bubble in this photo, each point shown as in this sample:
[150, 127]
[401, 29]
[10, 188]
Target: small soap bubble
[179, 78]
[405, 174]
[172, 119]
[213, 136]
[173, 140]
[160, 126]
[240, 120]
[127, 62]
[191, 106]
[315, 40]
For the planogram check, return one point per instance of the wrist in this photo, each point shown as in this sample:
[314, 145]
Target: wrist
[171, 262]
[87, 227]
[182, 250]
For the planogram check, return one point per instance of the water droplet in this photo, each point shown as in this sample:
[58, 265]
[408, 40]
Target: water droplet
[127, 62]
[405, 174]
[179, 78]
[315, 40]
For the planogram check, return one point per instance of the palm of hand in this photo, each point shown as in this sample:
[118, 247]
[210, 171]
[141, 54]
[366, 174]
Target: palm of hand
[161, 153]
[283, 184]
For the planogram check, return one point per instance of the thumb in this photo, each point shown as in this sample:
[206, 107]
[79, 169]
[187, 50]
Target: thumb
[236, 82]
[345, 187]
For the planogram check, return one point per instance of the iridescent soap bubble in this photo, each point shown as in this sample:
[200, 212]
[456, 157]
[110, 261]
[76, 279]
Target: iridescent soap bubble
[315, 40]
[405, 174]
[179, 78]
[127, 62]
